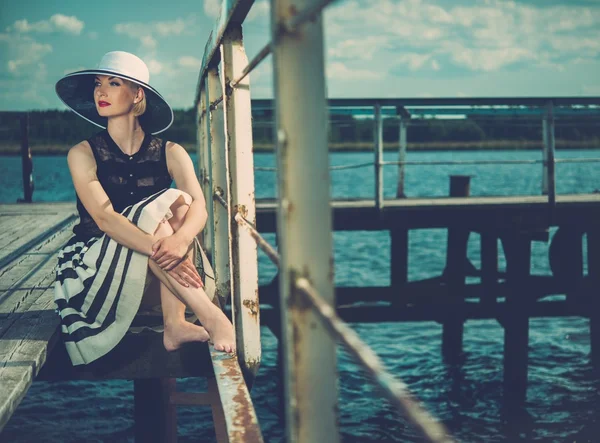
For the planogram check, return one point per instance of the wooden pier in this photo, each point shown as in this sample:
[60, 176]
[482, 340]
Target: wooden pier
[511, 296]
[33, 233]
[31, 349]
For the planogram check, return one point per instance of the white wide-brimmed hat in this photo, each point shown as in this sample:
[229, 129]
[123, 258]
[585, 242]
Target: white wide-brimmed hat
[76, 90]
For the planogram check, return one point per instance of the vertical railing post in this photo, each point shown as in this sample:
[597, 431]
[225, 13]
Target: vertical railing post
[208, 187]
[378, 136]
[549, 179]
[221, 216]
[402, 146]
[241, 169]
[202, 149]
[26, 162]
[304, 223]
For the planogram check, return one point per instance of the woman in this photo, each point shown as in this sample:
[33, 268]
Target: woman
[133, 227]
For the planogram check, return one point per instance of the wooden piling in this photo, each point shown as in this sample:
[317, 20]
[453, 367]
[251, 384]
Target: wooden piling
[489, 266]
[456, 260]
[593, 253]
[516, 329]
[26, 161]
[155, 417]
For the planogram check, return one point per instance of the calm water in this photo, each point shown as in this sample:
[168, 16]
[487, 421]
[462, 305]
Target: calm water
[563, 400]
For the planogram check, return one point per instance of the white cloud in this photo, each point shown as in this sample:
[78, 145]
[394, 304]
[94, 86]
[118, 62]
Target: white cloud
[339, 71]
[358, 49]
[148, 41]
[93, 35]
[187, 61]
[174, 27]
[154, 66]
[485, 35]
[147, 33]
[212, 8]
[490, 59]
[413, 60]
[56, 23]
[70, 24]
[260, 10]
[25, 53]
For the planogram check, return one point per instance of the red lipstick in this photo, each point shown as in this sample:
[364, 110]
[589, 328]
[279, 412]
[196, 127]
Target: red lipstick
[102, 104]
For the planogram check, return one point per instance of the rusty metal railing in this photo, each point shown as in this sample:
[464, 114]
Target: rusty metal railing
[391, 387]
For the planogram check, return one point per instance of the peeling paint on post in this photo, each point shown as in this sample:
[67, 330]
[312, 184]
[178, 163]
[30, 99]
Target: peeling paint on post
[209, 236]
[304, 224]
[244, 257]
[202, 152]
[221, 216]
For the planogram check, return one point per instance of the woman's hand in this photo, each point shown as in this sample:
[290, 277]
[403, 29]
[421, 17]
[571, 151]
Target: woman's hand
[186, 274]
[169, 251]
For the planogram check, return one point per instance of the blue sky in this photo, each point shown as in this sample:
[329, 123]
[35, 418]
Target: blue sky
[374, 48]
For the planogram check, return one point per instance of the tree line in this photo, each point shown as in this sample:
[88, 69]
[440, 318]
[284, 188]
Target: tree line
[64, 127]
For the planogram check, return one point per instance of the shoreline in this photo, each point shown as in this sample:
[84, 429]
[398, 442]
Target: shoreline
[14, 149]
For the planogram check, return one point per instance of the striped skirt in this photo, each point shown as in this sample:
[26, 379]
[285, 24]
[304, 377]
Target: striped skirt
[99, 283]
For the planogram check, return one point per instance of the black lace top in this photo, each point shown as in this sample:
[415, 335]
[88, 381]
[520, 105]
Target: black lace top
[125, 179]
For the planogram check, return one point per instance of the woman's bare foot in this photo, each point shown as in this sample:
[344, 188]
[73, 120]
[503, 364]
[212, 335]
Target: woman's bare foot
[221, 333]
[176, 334]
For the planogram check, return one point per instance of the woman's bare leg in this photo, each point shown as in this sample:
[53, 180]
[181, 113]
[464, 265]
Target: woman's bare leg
[212, 318]
[177, 329]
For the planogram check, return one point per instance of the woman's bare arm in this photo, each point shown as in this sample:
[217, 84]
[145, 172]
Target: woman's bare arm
[91, 193]
[170, 250]
[182, 170]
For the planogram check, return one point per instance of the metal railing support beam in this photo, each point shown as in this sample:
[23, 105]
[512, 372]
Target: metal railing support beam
[304, 224]
[208, 181]
[378, 136]
[244, 256]
[221, 256]
[202, 149]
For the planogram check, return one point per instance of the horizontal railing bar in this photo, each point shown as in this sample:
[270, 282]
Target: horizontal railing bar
[452, 162]
[264, 52]
[260, 241]
[394, 389]
[267, 103]
[218, 195]
[333, 168]
[291, 26]
[464, 162]
[265, 168]
[491, 162]
[351, 166]
[576, 160]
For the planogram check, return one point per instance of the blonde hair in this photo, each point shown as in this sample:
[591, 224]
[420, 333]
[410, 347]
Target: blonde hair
[140, 107]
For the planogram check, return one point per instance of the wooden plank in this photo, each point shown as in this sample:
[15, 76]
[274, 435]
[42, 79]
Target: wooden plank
[47, 225]
[24, 224]
[31, 261]
[37, 208]
[9, 222]
[23, 351]
[23, 283]
[240, 417]
[384, 312]
[491, 213]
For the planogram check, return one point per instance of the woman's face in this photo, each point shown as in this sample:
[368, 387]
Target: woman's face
[113, 96]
